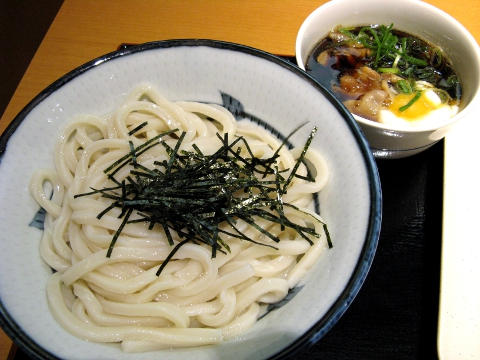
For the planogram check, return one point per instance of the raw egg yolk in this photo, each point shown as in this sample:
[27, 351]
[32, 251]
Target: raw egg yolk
[418, 109]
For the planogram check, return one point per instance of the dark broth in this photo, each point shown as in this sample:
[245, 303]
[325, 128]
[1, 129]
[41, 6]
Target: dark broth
[438, 71]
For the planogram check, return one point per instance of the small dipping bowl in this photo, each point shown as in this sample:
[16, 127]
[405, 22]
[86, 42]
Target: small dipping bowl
[416, 18]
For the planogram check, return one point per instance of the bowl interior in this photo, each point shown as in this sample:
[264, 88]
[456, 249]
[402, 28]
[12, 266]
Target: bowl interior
[271, 92]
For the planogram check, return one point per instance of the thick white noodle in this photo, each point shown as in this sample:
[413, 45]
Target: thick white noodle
[197, 299]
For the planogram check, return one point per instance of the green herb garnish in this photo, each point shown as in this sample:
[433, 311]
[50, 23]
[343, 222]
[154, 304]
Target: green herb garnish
[404, 87]
[193, 194]
[391, 53]
[411, 102]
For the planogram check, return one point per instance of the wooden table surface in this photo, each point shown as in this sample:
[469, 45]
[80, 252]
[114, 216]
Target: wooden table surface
[83, 30]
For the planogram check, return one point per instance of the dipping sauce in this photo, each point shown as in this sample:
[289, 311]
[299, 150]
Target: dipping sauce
[386, 75]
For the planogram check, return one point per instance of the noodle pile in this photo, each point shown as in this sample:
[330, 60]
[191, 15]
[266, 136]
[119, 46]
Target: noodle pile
[197, 299]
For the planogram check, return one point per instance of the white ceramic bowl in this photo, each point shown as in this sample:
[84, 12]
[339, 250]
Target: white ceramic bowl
[268, 90]
[417, 18]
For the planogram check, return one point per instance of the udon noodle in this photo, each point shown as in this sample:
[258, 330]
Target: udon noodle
[197, 299]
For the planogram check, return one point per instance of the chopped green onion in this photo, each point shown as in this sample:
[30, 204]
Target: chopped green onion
[411, 102]
[443, 95]
[404, 87]
[391, 70]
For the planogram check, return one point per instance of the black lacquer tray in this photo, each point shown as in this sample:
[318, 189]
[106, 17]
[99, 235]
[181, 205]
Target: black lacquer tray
[395, 314]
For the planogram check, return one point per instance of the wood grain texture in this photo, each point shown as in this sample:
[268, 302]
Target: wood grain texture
[85, 30]
[88, 29]
[23, 24]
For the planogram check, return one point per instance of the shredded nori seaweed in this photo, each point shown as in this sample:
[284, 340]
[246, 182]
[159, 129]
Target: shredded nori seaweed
[191, 194]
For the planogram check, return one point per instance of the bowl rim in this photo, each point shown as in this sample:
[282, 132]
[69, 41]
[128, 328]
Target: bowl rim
[357, 278]
[422, 7]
